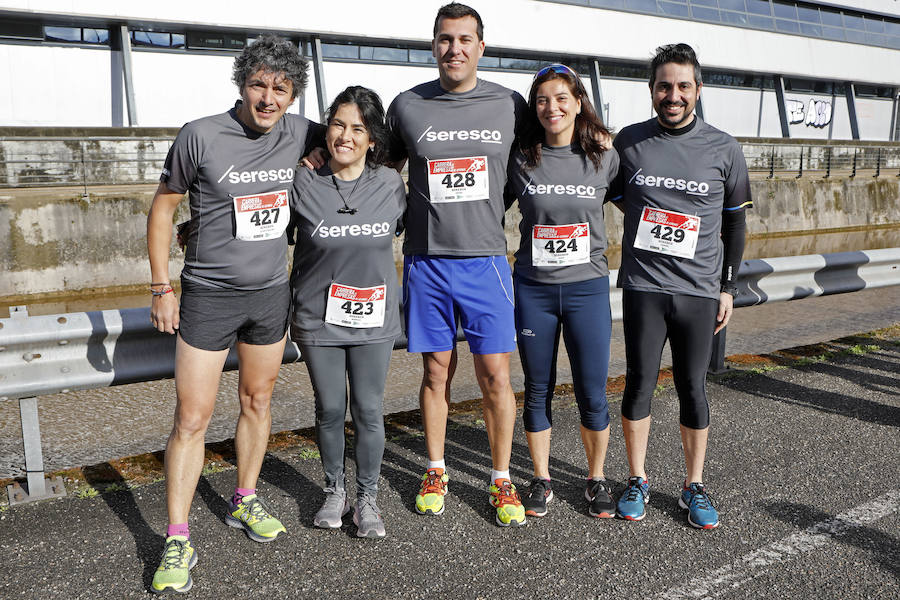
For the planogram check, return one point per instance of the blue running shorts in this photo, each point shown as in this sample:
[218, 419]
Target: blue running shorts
[438, 290]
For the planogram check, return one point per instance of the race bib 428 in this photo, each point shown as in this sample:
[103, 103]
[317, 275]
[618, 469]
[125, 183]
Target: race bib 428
[458, 179]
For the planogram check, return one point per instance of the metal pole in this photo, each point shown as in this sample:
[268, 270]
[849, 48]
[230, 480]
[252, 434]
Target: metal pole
[772, 162]
[319, 72]
[850, 94]
[128, 75]
[827, 162]
[800, 172]
[598, 93]
[36, 486]
[855, 152]
[878, 163]
[782, 110]
[84, 194]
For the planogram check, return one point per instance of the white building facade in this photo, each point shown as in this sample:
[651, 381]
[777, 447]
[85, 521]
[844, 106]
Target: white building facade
[771, 68]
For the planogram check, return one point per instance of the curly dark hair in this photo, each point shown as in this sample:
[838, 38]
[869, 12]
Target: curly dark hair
[372, 112]
[589, 127]
[275, 54]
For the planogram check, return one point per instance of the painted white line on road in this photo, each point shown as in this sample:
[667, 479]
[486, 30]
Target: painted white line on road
[730, 577]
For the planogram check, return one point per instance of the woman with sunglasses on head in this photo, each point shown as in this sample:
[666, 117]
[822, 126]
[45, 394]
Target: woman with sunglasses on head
[346, 297]
[559, 175]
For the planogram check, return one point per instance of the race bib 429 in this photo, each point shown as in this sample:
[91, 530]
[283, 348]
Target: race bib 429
[667, 232]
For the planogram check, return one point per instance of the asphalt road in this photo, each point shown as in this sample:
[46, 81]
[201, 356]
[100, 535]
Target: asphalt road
[803, 466]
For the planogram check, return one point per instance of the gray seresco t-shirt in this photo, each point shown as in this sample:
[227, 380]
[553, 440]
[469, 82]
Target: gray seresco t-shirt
[458, 146]
[674, 189]
[239, 183]
[563, 234]
[344, 277]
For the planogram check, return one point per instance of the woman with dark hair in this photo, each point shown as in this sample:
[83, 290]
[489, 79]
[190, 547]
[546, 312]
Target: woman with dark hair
[559, 175]
[346, 298]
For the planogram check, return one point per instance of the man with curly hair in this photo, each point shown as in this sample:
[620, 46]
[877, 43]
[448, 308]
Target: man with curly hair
[237, 169]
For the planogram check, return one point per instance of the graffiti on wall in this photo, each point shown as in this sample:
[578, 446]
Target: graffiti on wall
[814, 113]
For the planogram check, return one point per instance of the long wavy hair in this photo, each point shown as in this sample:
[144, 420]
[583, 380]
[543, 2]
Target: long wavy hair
[589, 128]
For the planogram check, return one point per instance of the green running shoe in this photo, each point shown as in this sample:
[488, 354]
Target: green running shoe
[505, 499]
[253, 516]
[430, 499]
[174, 572]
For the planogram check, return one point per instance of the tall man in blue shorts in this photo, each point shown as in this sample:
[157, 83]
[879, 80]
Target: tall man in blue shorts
[457, 132]
[238, 170]
[683, 186]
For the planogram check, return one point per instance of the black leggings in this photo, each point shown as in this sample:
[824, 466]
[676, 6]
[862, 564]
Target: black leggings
[688, 321]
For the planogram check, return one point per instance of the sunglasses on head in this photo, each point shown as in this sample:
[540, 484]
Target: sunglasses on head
[556, 68]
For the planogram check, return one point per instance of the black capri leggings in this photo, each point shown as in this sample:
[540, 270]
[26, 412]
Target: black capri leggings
[688, 322]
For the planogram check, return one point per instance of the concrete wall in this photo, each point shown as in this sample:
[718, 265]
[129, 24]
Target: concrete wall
[64, 244]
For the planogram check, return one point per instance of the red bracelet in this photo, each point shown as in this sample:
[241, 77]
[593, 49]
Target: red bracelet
[163, 291]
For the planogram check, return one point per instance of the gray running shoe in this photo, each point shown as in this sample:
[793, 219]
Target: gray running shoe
[333, 509]
[367, 518]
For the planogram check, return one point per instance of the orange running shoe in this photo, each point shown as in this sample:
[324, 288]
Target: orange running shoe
[505, 499]
[430, 499]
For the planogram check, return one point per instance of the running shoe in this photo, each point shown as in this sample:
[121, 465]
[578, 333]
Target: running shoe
[601, 503]
[505, 499]
[538, 497]
[634, 498]
[367, 518]
[174, 570]
[701, 512]
[333, 509]
[253, 516]
[430, 499]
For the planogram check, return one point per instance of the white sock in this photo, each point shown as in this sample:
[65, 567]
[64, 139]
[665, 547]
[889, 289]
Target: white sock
[495, 475]
[435, 464]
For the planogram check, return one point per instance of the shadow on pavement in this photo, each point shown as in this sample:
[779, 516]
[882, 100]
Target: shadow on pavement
[763, 387]
[883, 548]
[148, 543]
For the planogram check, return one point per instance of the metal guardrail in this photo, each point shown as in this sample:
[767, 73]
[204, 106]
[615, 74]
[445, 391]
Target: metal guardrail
[48, 354]
[56, 161]
[822, 159]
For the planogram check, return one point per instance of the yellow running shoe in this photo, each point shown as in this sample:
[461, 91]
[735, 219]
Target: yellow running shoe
[430, 499]
[253, 516]
[505, 499]
[174, 570]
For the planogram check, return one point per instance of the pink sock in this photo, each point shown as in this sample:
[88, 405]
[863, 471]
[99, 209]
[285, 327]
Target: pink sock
[239, 494]
[178, 529]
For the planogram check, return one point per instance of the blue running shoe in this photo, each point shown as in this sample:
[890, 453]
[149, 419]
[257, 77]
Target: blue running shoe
[701, 512]
[635, 496]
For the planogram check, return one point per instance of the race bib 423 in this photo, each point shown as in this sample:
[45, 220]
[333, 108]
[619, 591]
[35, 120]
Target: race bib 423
[350, 306]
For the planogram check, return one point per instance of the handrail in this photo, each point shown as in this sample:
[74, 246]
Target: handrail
[79, 161]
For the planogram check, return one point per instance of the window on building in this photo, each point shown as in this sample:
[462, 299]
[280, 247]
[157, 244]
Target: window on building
[205, 40]
[76, 35]
[157, 39]
[21, 30]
